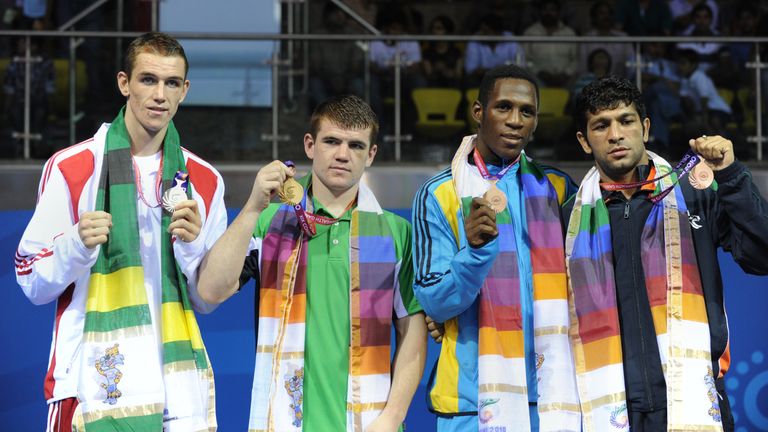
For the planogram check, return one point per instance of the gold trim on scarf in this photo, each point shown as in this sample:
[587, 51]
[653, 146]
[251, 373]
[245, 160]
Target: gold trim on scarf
[270, 349]
[117, 334]
[688, 353]
[133, 411]
[361, 407]
[589, 406]
[180, 366]
[692, 427]
[499, 387]
[551, 330]
[559, 406]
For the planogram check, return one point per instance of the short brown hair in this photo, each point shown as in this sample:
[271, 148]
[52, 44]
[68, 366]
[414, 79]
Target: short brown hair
[155, 43]
[346, 111]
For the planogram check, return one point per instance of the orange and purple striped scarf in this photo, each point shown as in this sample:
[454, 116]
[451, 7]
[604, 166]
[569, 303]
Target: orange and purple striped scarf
[502, 389]
[677, 304]
[277, 398]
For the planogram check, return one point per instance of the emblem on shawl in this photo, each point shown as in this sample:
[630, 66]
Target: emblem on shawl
[619, 418]
[714, 410]
[106, 366]
[294, 385]
[488, 409]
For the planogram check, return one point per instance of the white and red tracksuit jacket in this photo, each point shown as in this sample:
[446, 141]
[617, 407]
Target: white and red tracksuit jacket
[53, 264]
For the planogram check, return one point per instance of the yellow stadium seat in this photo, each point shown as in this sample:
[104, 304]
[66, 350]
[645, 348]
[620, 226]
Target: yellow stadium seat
[60, 98]
[471, 96]
[436, 109]
[553, 121]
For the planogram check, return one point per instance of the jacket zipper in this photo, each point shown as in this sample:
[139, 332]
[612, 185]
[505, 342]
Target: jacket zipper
[637, 311]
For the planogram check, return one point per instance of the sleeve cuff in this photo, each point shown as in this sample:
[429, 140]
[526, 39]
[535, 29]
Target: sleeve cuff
[730, 173]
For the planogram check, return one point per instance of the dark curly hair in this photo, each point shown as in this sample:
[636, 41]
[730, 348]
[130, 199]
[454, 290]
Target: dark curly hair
[605, 94]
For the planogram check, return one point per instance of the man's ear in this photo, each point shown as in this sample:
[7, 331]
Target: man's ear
[371, 154]
[584, 143]
[122, 83]
[309, 146]
[646, 130]
[477, 112]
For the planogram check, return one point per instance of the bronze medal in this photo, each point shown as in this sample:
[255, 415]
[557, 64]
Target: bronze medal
[701, 176]
[496, 198]
[291, 192]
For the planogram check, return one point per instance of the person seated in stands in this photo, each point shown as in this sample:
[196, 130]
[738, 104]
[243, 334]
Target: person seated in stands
[644, 17]
[700, 100]
[604, 24]
[482, 56]
[336, 67]
[682, 17]
[600, 65]
[553, 63]
[702, 17]
[442, 61]
[383, 57]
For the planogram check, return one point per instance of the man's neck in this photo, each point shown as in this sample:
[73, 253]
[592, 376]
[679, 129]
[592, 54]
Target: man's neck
[335, 203]
[628, 177]
[143, 142]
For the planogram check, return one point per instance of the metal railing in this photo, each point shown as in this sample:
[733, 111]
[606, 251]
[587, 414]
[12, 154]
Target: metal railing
[277, 63]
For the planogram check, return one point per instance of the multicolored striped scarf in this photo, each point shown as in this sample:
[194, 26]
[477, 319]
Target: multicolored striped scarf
[502, 388]
[677, 304]
[122, 385]
[277, 398]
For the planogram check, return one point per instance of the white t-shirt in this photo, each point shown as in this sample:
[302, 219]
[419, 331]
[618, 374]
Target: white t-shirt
[149, 233]
[698, 86]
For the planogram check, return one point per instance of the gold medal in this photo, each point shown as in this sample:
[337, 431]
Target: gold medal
[701, 176]
[496, 199]
[291, 192]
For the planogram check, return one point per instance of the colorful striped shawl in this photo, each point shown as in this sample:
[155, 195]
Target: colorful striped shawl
[677, 304]
[276, 402]
[502, 389]
[121, 383]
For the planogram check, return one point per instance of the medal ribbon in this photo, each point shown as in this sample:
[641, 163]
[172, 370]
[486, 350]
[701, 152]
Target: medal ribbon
[158, 180]
[480, 163]
[686, 164]
[307, 220]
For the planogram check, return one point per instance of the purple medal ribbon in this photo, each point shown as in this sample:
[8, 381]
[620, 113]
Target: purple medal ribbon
[480, 163]
[308, 220]
[686, 164]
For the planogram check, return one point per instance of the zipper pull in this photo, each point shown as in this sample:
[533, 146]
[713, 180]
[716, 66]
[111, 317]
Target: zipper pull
[626, 210]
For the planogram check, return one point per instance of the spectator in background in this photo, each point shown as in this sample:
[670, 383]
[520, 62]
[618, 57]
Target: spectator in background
[746, 23]
[482, 56]
[702, 26]
[553, 63]
[644, 17]
[725, 73]
[442, 61]
[661, 93]
[41, 88]
[335, 67]
[702, 105]
[604, 24]
[599, 64]
[681, 10]
[383, 55]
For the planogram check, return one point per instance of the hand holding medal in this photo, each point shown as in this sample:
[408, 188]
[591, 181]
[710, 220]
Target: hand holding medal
[716, 151]
[186, 222]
